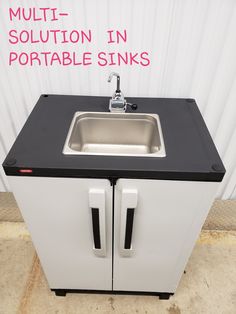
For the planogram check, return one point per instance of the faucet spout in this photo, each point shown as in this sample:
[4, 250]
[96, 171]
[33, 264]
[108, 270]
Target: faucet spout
[117, 103]
[117, 82]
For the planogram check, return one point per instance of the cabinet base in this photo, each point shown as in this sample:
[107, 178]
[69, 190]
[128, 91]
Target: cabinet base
[161, 295]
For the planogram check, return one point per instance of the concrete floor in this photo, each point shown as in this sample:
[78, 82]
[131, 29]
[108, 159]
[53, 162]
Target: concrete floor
[208, 286]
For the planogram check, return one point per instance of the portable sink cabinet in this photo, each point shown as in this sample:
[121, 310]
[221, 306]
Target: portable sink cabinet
[114, 224]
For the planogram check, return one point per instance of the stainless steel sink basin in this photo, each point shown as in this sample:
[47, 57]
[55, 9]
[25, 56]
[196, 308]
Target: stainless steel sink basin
[117, 134]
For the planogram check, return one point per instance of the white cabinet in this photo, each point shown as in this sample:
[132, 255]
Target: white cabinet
[168, 216]
[58, 213]
[138, 241]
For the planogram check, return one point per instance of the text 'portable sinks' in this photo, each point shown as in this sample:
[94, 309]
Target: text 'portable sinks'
[118, 134]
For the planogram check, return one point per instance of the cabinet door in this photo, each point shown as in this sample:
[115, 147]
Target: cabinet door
[156, 225]
[70, 221]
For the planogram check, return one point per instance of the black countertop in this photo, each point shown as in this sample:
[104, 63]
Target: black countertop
[190, 152]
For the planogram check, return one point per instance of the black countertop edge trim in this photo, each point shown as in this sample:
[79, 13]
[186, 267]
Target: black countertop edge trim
[112, 175]
[64, 291]
[191, 100]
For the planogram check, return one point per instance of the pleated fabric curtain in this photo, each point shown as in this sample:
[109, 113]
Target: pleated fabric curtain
[191, 45]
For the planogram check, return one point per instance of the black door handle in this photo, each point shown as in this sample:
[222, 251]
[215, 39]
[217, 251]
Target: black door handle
[96, 228]
[129, 228]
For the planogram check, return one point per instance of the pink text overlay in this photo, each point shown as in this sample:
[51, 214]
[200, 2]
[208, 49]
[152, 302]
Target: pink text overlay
[75, 41]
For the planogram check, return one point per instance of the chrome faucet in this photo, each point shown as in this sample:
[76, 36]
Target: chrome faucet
[117, 103]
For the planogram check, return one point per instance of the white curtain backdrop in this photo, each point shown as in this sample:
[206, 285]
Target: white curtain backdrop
[192, 47]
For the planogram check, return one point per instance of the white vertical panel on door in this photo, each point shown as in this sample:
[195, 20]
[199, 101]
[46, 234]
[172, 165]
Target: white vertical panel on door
[97, 202]
[57, 212]
[128, 203]
[166, 223]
